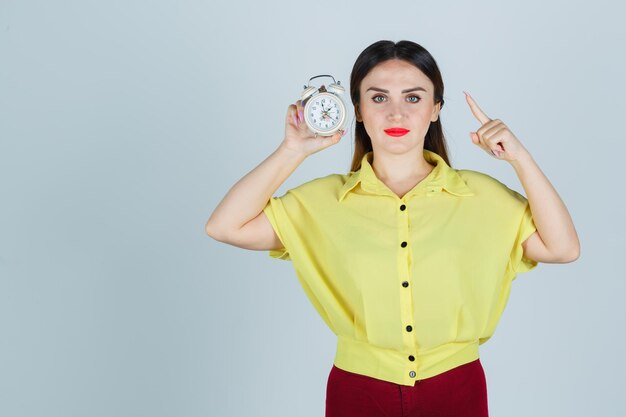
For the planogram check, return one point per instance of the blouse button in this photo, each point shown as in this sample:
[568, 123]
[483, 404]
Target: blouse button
[411, 358]
[405, 284]
[409, 328]
[412, 374]
[403, 244]
[402, 207]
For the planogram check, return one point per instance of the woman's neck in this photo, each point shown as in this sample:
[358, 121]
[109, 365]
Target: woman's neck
[398, 169]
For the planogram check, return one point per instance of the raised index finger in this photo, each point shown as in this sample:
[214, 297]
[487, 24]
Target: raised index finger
[478, 113]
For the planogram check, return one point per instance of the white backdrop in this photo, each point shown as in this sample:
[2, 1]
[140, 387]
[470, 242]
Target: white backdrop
[124, 123]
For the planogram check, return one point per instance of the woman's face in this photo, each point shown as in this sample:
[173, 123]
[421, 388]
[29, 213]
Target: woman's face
[412, 110]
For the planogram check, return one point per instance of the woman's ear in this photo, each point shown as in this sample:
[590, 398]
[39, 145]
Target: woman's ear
[436, 111]
[357, 114]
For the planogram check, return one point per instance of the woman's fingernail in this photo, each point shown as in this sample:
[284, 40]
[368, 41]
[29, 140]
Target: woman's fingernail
[301, 115]
[295, 120]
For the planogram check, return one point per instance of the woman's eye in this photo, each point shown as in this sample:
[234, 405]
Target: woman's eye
[378, 101]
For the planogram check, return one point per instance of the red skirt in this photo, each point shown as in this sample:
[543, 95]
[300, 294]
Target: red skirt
[458, 392]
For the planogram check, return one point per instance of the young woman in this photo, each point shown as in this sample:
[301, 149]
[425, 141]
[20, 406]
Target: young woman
[407, 260]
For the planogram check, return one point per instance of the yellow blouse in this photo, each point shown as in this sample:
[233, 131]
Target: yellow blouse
[411, 286]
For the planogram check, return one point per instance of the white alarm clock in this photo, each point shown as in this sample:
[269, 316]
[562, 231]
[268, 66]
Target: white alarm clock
[324, 109]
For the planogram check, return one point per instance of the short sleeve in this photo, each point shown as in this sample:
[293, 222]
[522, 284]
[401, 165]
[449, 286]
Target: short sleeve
[280, 212]
[526, 227]
[295, 217]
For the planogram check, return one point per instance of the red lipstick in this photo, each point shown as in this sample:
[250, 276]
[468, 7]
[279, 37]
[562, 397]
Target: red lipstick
[396, 131]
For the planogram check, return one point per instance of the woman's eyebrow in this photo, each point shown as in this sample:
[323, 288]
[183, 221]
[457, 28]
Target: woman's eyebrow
[404, 91]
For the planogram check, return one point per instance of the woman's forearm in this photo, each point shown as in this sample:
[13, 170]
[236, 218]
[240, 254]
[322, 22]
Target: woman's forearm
[247, 198]
[553, 221]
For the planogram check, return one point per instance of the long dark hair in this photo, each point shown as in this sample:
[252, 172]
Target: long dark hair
[412, 53]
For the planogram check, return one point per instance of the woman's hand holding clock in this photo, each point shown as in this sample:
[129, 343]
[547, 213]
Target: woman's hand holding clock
[299, 138]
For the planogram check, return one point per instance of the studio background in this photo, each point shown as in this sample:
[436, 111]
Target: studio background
[124, 123]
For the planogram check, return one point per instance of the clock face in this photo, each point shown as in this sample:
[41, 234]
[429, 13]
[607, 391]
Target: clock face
[325, 111]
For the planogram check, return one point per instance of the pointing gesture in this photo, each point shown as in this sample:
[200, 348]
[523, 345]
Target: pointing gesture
[494, 137]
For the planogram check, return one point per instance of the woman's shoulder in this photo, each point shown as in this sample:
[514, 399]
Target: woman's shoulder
[318, 191]
[477, 177]
[486, 185]
[324, 183]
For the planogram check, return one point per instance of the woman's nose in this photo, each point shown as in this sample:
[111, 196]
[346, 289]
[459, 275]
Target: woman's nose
[396, 112]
